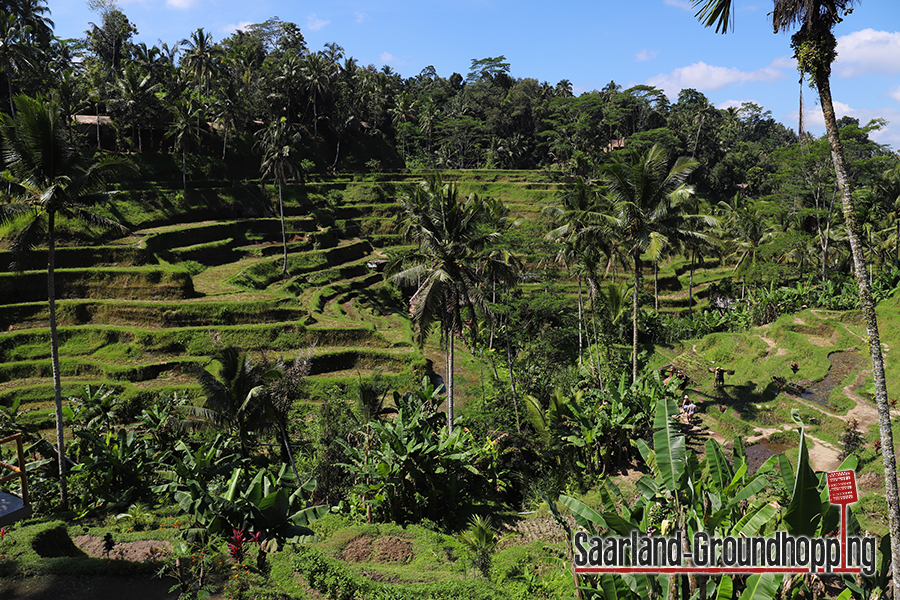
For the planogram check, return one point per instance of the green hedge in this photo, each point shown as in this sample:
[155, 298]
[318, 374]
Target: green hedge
[338, 582]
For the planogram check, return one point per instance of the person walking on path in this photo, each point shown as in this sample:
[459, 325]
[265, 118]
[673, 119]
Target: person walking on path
[688, 408]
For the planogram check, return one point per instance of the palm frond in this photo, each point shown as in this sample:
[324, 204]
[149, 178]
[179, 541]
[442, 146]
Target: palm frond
[27, 239]
[92, 218]
[715, 12]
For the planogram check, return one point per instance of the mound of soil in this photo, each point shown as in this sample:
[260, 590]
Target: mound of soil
[393, 549]
[140, 551]
[359, 549]
[388, 549]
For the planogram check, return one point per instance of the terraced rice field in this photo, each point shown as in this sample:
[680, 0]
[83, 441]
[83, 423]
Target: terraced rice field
[141, 313]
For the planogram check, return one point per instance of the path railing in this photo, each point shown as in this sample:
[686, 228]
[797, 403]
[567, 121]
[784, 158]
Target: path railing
[17, 470]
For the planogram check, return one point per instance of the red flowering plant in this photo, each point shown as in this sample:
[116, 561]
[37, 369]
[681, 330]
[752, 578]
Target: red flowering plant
[236, 544]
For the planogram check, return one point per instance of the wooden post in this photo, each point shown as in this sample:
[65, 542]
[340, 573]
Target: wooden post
[20, 457]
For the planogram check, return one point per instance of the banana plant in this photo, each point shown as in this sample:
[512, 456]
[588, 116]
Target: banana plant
[118, 466]
[202, 464]
[714, 495]
[413, 467]
[271, 506]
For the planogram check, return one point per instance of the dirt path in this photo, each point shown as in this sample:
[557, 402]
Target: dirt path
[772, 346]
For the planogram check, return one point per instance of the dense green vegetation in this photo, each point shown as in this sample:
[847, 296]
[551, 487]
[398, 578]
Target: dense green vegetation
[377, 320]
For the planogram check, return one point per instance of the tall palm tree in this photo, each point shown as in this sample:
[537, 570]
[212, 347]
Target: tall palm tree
[448, 265]
[289, 75]
[30, 13]
[201, 57]
[135, 100]
[181, 130]
[50, 182]
[814, 47]
[317, 72]
[646, 212]
[581, 227]
[746, 228]
[229, 110]
[278, 164]
[67, 96]
[16, 54]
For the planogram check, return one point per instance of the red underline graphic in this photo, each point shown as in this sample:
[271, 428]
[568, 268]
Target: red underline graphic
[709, 570]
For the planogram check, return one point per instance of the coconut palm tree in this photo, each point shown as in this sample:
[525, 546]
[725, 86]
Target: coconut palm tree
[49, 181]
[448, 265]
[16, 54]
[135, 100]
[814, 47]
[581, 225]
[182, 132]
[317, 71]
[278, 164]
[201, 57]
[235, 395]
[30, 13]
[646, 212]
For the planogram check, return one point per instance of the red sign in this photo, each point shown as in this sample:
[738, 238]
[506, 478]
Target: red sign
[842, 487]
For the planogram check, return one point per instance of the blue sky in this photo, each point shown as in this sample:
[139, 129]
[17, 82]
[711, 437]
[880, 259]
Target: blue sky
[655, 42]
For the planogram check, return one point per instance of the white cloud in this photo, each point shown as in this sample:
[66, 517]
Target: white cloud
[895, 93]
[814, 120]
[314, 23]
[680, 4]
[734, 104]
[784, 62]
[182, 4]
[891, 133]
[868, 51]
[704, 77]
[389, 59]
[242, 26]
[645, 55]
[361, 17]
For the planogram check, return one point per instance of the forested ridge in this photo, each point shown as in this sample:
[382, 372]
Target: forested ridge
[306, 328]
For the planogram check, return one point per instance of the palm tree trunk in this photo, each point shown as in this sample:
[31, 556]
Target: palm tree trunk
[580, 320]
[337, 154]
[656, 285]
[595, 362]
[634, 319]
[315, 118]
[184, 169]
[691, 286]
[12, 106]
[54, 356]
[283, 233]
[449, 381]
[897, 244]
[868, 309]
[512, 379]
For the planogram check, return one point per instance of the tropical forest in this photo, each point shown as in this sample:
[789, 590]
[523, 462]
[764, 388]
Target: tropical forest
[278, 325]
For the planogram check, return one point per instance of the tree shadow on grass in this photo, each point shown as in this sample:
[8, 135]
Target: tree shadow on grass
[748, 400]
[382, 300]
